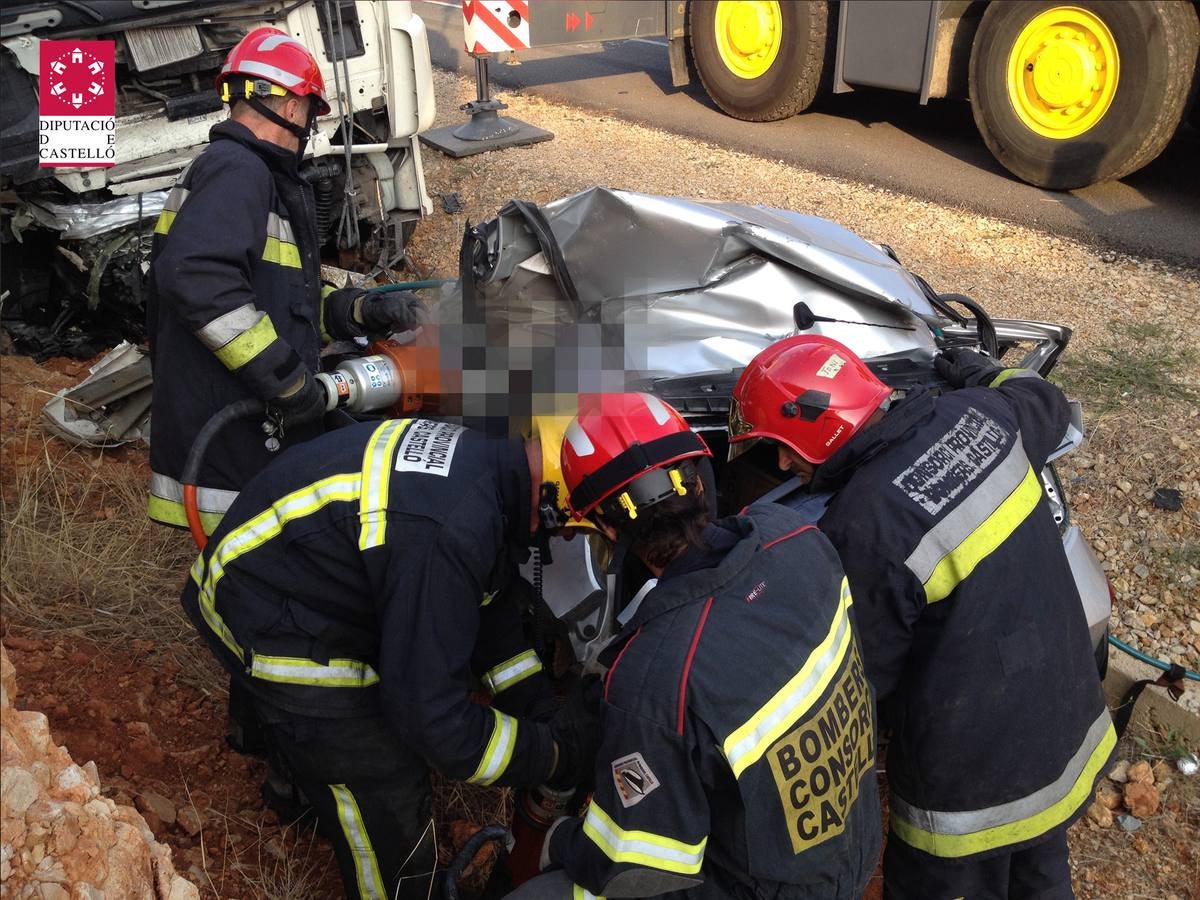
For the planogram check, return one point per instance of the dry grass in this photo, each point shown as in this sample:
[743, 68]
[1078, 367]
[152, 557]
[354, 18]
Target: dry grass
[80, 556]
[279, 865]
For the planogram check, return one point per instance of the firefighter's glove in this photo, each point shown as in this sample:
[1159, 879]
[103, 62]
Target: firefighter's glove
[305, 403]
[382, 313]
[966, 368]
[576, 732]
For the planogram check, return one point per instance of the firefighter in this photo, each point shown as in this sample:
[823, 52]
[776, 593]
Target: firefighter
[737, 737]
[973, 632]
[359, 589]
[235, 300]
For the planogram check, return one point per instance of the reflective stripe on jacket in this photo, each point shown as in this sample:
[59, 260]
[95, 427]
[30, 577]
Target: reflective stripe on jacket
[738, 731]
[973, 632]
[349, 576]
[234, 311]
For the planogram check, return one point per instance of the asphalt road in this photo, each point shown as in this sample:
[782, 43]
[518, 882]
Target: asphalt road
[877, 137]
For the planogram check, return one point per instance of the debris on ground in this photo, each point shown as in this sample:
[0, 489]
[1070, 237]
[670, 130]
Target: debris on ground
[61, 836]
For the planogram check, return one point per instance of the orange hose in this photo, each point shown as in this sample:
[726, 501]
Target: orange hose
[193, 516]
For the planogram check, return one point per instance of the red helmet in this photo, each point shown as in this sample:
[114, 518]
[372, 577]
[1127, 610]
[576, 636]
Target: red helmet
[274, 56]
[620, 453]
[808, 392]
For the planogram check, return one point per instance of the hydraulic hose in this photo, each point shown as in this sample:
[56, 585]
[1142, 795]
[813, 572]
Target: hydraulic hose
[410, 285]
[1150, 660]
[239, 409]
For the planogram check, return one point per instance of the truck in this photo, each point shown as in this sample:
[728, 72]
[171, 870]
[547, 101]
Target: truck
[1064, 95]
[76, 241]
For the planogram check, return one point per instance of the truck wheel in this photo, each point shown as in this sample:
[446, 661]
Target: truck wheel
[1070, 95]
[761, 60]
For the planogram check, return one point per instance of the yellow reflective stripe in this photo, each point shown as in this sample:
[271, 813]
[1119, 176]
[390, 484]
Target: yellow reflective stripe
[376, 476]
[498, 753]
[1032, 826]
[582, 893]
[263, 527]
[166, 219]
[281, 253]
[512, 671]
[171, 512]
[326, 290]
[295, 670]
[748, 743]
[642, 848]
[247, 345]
[366, 866]
[995, 530]
[1012, 373]
[171, 205]
[197, 571]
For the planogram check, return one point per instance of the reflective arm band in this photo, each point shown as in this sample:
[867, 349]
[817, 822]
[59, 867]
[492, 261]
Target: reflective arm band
[641, 848]
[498, 753]
[248, 344]
[1006, 374]
[512, 671]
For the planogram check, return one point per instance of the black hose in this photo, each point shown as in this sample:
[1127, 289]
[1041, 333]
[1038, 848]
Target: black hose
[467, 853]
[238, 409]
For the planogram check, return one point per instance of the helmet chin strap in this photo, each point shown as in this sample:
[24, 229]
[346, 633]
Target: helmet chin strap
[302, 132]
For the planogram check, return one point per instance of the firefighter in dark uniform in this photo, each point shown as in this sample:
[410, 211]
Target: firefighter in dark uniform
[235, 307]
[973, 632]
[737, 737]
[359, 588]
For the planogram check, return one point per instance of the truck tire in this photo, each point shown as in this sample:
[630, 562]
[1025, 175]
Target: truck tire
[761, 60]
[1071, 94]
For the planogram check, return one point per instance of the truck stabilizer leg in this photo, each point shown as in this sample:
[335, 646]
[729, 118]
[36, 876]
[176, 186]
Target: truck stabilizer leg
[486, 129]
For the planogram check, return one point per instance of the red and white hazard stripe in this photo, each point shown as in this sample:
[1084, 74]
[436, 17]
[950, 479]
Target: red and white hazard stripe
[493, 26]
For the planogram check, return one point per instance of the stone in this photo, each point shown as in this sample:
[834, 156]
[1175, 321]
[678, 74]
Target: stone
[1141, 570]
[149, 801]
[1141, 773]
[189, 820]
[1162, 775]
[1141, 799]
[61, 840]
[1119, 772]
[1100, 814]
[1107, 794]
[1128, 823]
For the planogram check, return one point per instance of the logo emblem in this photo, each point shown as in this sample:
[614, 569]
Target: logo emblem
[78, 104]
[633, 779]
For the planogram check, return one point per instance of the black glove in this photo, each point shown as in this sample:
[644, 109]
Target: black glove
[304, 405]
[384, 312]
[576, 732]
[338, 309]
[966, 368]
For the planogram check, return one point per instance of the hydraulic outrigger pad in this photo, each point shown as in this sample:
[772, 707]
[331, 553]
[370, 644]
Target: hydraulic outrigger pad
[487, 129]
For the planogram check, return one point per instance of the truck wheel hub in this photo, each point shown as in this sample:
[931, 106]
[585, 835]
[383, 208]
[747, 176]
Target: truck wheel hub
[1062, 72]
[749, 34]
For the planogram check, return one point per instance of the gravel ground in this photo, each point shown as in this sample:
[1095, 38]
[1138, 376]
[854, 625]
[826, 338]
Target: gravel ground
[1133, 359]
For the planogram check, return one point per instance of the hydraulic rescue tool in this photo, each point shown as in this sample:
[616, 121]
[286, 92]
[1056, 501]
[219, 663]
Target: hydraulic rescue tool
[399, 378]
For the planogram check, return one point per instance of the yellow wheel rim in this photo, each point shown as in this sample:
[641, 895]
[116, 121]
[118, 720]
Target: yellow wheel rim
[749, 34]
[1062, 72]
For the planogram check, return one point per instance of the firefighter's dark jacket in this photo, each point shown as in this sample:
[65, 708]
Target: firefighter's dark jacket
[972, 628]
[737, 755]
[356, 575]
[234, 311]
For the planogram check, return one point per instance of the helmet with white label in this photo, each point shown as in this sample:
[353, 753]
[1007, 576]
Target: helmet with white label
[808, 392]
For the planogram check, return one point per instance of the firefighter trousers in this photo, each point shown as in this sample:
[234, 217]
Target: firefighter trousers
[1038, 872]
[371, 796]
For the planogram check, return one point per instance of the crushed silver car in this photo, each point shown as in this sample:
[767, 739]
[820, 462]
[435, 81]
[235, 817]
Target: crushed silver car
[614, 290]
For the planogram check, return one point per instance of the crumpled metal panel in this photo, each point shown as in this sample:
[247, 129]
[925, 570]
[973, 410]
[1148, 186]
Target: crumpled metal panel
[687, 288]
[79, 221]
